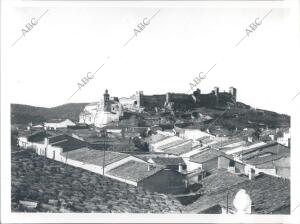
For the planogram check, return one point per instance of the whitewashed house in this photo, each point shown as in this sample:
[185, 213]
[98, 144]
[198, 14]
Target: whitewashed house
[59, 124]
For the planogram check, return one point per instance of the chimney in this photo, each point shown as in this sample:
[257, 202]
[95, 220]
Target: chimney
[180, 167]
[150, 166]
[250, 139]
[251, 174]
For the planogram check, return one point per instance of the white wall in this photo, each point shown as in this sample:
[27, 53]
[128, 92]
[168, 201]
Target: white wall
[190, 166]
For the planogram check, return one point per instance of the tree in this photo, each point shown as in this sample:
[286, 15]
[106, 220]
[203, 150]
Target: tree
[256, 134]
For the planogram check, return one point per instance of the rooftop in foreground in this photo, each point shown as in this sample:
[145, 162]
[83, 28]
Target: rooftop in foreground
[78, 190]
[269, 194]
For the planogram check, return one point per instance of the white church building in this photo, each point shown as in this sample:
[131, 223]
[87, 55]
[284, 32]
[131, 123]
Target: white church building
[102, 113]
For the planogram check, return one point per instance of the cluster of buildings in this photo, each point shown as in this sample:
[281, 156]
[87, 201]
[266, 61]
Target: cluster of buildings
[111, 109]
[184, 162]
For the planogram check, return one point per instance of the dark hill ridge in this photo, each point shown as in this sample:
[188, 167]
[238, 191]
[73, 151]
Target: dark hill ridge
[240, 116]
[23, 114]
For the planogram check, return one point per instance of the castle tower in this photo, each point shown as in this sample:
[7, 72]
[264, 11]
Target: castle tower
[168, 97]
[216, 90]
[106, 100]
[232, 91]
[138, 98]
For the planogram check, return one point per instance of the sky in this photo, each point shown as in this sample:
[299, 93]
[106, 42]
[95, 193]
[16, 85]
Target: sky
[44, 67]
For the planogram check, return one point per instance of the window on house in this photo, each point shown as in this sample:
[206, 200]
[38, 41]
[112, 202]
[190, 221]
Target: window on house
[232, 163]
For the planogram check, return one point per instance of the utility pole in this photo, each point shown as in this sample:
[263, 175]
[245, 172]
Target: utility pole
[104, 157]
[227, 201]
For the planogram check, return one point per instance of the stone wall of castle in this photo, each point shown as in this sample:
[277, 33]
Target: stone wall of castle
[186, 101]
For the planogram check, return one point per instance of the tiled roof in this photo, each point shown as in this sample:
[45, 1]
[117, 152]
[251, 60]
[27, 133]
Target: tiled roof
[269, 144]
[268, 193]
[165, 141]
[180, 149]
[204, 139]
[225, 142]
[168, 161]
[173, 143]
[134, 171]
[265, 153]
[207, 155]
[37, 136]
[155, 138]
[79, 190]
[67, 143]
[261, 160]
[239, 149]
[96, 157]
[221, 179]
[147, 156]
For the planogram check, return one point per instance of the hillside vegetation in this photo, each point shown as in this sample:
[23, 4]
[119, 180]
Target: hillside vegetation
[239, 116]
[23, 114]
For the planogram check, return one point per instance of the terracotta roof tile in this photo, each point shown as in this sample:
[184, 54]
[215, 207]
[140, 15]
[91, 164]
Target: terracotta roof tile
[134, 171]
[168, 161]
[96, 157]
[207, 155]
[268, 193]
[180, 149]
[79, 190]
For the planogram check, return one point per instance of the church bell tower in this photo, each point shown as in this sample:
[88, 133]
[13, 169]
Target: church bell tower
[106, 100]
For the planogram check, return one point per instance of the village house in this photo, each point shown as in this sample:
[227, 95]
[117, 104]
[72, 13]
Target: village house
[55, 124]
[224, 143]
[173, 163]
[285, 139]
[97, 161]
[240, 148]
[193, 134]
[268, 194]
[271, 158]
[210, 159]
[151, 177]
[168, 142]
[50, 144]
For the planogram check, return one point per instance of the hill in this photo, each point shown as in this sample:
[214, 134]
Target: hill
[239, 116]
[23, 114]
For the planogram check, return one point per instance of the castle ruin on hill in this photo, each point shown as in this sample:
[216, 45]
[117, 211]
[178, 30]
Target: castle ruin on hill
[197, 99]
[110, 109]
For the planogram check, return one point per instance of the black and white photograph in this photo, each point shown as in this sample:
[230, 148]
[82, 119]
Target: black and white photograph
[150, 111]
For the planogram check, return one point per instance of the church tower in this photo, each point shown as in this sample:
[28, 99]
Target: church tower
[106, 100]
